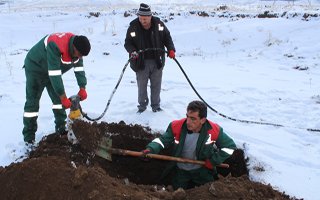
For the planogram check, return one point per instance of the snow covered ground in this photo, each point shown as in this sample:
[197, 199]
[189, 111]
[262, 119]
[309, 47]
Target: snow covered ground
[257, 69]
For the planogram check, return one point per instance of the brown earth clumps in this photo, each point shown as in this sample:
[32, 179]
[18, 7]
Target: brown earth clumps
[56, 169]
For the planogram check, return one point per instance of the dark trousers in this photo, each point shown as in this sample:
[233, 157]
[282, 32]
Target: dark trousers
[189, 179]
[155, 75]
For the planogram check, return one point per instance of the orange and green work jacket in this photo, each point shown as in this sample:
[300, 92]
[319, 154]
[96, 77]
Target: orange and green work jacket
[51, 57]
[213, 143]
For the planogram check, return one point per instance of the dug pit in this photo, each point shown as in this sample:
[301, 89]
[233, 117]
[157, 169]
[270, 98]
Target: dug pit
[57, 169]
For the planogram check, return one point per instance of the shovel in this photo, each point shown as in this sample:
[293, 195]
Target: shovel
[105, 150]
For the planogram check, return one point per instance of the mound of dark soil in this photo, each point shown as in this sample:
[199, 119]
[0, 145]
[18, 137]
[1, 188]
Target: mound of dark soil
[56, 169]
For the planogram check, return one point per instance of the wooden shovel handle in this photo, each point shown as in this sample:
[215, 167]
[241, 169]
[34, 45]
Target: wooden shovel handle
[157, 156]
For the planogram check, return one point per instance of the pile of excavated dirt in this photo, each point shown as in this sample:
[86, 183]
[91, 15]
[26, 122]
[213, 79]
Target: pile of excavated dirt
[57, 169]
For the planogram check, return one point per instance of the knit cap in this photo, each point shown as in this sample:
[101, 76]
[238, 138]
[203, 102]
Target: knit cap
[82, 44]
[144, 10]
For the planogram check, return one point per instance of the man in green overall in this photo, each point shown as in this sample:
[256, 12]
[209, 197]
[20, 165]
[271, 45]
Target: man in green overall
[194, 137]
[44, 65]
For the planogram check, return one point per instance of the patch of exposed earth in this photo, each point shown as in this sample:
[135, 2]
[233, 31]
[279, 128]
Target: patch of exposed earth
[57, 169]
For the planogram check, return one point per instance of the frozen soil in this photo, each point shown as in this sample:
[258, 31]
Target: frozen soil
[57, 169]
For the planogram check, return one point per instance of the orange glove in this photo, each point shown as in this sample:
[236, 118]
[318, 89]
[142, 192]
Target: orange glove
[208, 164]
[82, 94]
[66, 102]
[171, 54]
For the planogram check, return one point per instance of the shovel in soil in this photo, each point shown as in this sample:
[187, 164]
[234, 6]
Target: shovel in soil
[105, 151]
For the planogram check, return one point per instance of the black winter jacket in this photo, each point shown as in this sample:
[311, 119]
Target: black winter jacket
[160, 38]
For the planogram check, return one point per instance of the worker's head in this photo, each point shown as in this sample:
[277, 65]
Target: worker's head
[81, 46]
[145, 15]
[196, 115]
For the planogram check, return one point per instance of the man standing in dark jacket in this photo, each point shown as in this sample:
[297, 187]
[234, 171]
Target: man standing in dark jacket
[147, 32]
[44, 65]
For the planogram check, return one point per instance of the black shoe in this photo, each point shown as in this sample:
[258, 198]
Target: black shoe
[157, 109]
[62, 132]
[141, 110]
[30, 146]
[29, 142]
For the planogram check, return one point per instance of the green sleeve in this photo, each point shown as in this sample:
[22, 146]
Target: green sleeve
[80, 74]
[164, 141]
[54, 68]
[225, 146]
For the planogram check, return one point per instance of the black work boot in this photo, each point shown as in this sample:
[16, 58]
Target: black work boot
[141, 110]
[62, 131]
[29, 142]
[30, 146]
[157, 109]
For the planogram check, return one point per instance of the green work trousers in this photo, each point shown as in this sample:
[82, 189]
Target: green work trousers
[35, 84]
[189, 179]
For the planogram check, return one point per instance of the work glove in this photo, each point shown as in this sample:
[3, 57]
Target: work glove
[66, 102]
[208, 164]
[82, 94]
[171, 54]
[144, 154]
[134, 55]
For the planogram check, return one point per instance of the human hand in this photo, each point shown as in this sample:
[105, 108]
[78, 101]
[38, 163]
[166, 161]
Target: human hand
[144, 154]
[66, 103]
[171, 54]
[82, 94]
[208, 164]
[134, 55]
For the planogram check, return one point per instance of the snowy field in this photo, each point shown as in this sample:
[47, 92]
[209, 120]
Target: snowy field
[248, 68]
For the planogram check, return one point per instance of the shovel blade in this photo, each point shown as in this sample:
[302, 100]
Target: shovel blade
[102, 152]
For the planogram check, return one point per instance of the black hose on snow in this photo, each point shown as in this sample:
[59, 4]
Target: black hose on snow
[190, 83]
